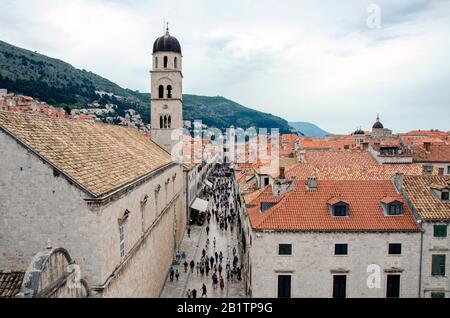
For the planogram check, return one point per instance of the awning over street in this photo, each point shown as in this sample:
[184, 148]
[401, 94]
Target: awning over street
[208, 183]
[200, 205]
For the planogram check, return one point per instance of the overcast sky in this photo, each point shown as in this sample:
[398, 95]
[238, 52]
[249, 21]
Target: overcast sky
[316, 61]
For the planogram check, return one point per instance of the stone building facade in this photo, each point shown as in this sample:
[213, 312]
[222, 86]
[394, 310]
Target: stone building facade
[108, 194]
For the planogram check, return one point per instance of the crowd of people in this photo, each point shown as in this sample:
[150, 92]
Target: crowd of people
[214, 264]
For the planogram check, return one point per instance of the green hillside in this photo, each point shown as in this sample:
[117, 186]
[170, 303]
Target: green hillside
[60, 84]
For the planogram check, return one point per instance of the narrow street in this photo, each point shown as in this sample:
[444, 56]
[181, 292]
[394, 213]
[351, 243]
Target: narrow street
[193, 247]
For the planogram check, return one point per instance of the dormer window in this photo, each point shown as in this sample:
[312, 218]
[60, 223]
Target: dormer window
[445, 196]
[338, 207]
[266, 206]
[395, 209]
[340, 210]
[392, 206]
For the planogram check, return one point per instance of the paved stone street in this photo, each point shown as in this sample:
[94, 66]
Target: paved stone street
[193, 246]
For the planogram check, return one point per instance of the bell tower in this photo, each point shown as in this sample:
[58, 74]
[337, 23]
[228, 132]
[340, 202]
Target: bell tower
[167, 91]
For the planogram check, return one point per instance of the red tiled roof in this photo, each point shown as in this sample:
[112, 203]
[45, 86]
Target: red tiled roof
[439, 152]
[418, 190]
[336, 200]
[347, 165]
[389, 200]
[307, 210]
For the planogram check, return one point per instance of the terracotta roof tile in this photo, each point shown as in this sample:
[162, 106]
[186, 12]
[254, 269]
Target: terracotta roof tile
[99, 157]
[418, 190]
[439, 152]
[10, 283]
[347, 165]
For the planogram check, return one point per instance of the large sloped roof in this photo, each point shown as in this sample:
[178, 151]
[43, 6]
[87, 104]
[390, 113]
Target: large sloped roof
[418, 190]
[100, 158]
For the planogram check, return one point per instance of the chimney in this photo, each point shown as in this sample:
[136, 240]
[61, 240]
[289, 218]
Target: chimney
[312, 183]
[398, 181]
[282, 173]
[427, 146]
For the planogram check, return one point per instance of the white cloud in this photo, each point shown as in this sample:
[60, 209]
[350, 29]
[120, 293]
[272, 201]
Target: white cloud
[303, 60]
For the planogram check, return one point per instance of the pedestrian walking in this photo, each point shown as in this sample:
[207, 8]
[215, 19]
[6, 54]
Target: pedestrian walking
[217, 257]
[207, 230]
[189, 294]
[189, 232]
[192, 266]
[204, 291]
[186, 265]
[194, 293]
[221, 257]
[220, 269]
[198, 268]
[214, 243]
[222, 283]
[211, 260]
[177, 275]
[171, 272]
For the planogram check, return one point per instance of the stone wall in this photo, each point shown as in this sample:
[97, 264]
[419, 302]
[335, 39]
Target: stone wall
[434, 246]
[313, 263]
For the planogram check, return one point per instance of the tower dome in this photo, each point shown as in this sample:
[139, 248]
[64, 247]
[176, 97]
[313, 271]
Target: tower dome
[167, 43]
[378, 124]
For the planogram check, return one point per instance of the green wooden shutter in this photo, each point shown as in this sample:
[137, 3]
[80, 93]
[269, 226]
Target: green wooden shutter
[438, 265]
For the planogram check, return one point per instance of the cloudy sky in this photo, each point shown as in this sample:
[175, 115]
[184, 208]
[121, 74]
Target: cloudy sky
[333, 63]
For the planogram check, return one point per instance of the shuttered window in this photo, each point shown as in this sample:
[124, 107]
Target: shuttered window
[440, 231]
[438, 265]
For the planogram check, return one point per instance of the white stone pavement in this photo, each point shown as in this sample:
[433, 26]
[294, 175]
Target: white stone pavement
[193, 247]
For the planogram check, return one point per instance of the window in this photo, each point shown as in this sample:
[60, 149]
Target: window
[395, 209]
[340, 210]
[438, 265]
[169, 91]
[266, 181]
[438, 295]
[175, 62]
[122, 240]
[284, 286]
[427, 170]
[440, 230]
[393, 286]
[156, 62]
[395, 249]
[341, 249]
[339, 286]
[169, 122]
[444, 196]
[166, 61]
[266, 206]
[161, 122]
[285, 249]
[448, 169]
[161, 91]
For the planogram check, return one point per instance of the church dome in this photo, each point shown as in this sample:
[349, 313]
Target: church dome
[359, 131]
[167, 43]
[378, 124]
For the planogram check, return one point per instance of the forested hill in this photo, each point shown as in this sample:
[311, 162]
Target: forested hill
[60, 84]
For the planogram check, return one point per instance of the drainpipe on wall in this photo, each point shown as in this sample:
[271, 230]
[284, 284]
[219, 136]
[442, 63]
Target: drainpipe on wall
[421, 257]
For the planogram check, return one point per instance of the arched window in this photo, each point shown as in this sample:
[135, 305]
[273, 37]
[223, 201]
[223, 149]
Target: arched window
[156, 62]
[170, 122]
[165, 121]
[175, 63]
[161, 91]
[161, 122]
[166, 61]
[169, 91]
